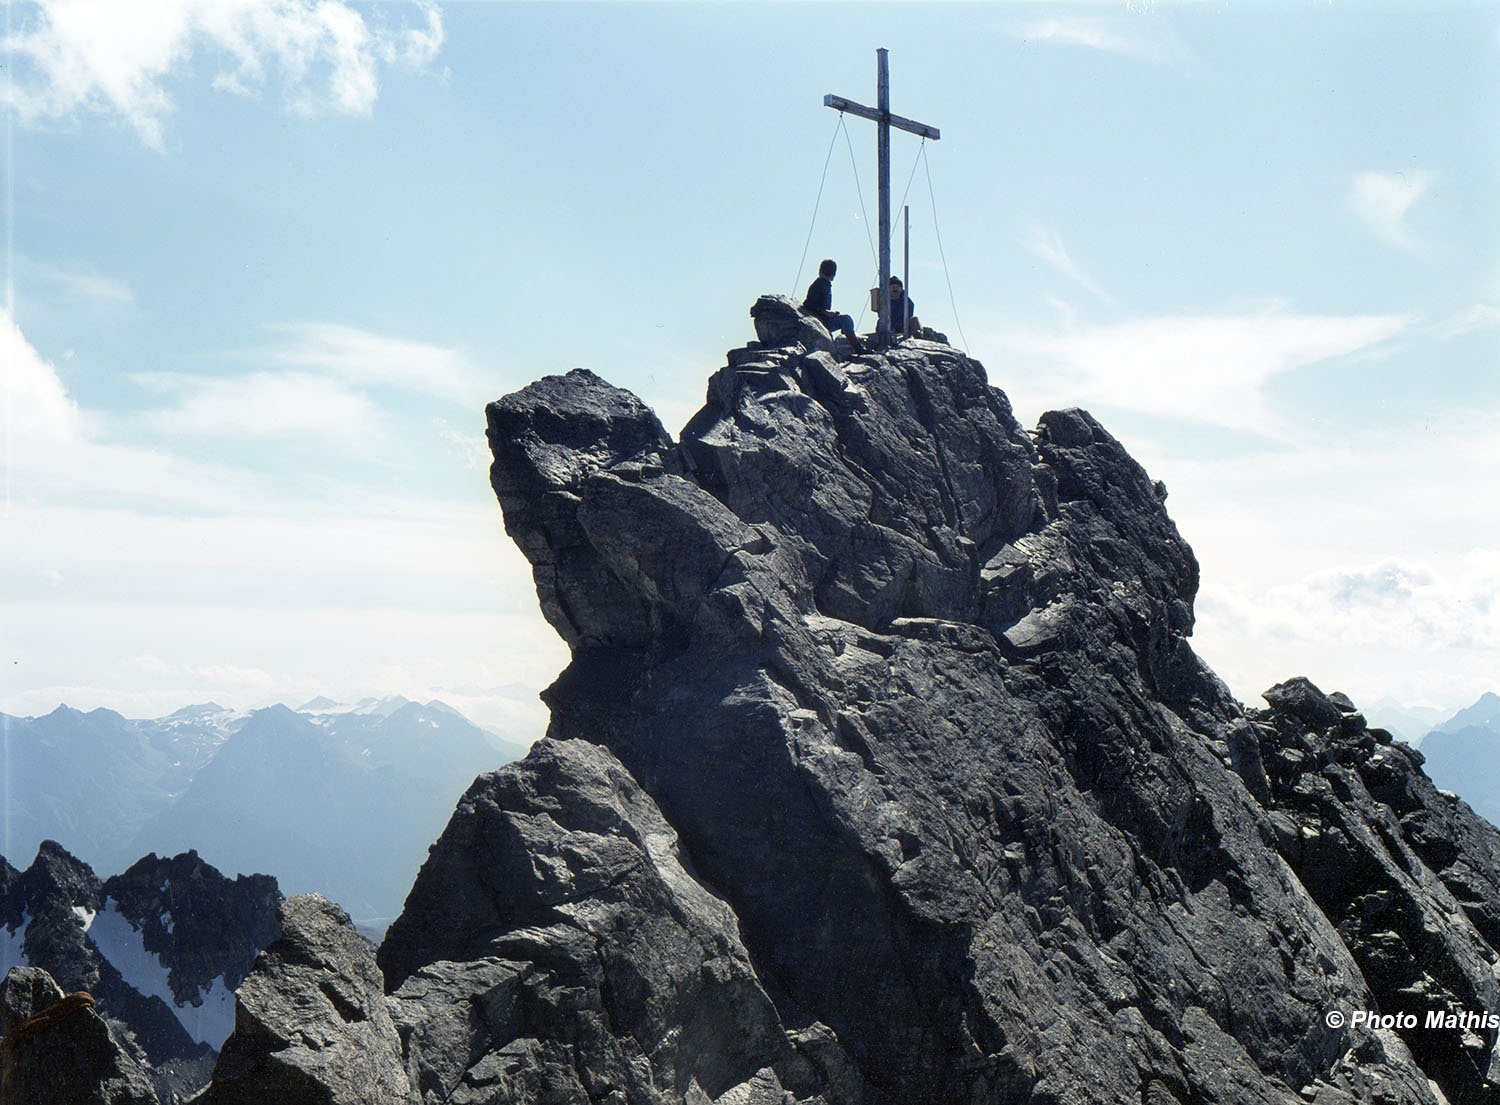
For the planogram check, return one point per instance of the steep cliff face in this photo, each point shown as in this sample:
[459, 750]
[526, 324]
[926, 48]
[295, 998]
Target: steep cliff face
[884, 771]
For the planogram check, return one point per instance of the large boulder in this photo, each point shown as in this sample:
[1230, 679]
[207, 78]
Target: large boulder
[558, 896]
[779, 321]
[312, 1026]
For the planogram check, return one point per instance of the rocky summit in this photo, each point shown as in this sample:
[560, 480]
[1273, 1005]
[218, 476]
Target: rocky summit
[883, 772]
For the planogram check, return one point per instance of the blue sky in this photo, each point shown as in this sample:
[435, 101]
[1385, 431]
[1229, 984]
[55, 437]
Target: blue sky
[267, 260]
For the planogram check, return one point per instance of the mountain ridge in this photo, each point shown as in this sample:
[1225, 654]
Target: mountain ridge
[161, 947]
[112, 789]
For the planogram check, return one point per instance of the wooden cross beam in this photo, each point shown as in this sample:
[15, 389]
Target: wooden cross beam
[884, 121]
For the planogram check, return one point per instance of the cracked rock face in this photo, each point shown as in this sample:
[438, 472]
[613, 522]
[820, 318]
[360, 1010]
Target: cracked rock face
[883, 771]
[555, 944]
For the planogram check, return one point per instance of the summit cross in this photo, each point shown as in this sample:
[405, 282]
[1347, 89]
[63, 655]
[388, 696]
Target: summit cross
[884, 121]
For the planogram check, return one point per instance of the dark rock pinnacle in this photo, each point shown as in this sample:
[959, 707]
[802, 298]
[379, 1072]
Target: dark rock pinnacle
[904, 696]
[883, 771]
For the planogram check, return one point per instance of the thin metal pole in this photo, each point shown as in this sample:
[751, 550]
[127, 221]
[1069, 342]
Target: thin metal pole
[906, 271]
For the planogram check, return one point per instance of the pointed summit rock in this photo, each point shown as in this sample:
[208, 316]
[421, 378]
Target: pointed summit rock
[311, 1024]
[883, 734]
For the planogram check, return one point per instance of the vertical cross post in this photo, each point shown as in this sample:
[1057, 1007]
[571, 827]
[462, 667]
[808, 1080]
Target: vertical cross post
[881, 116]
[883, 166]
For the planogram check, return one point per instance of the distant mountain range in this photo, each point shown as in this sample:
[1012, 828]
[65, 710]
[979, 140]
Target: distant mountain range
[162, 948]
[1407, 723]
[1463, 755]
[334, 798]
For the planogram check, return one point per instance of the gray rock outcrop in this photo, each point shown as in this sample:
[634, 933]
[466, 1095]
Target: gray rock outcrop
[1409, 875]
[912, 690]
[312, 1026]
[780, 322]
[883, 771]
[557, 900]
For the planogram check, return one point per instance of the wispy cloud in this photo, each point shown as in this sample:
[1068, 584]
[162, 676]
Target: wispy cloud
[1207, 369]
[323, 381]
[86, 286]
[114, 551]
[1472, 319]
[1139, 33]
[1383, 200]
[55, 452]
[1421, 605]
[1049, 247]
[370, 359]
[1355, 559]
[100, 56]
[262, 404]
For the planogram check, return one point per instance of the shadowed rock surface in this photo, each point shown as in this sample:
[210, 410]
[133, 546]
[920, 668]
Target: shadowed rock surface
[883, 771]
[58, 1051]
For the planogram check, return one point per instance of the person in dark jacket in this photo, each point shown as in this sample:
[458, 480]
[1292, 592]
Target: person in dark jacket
[819, 302]
[903, 310]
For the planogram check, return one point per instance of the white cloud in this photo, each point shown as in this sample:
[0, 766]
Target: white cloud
[324, 388]
[222, 583]
[38, 409]
[1138, 33]
[1479, 316]
[1365, 561]
[76, 56]
[364, 358]
[470, 448]
[1414, 630]
[1382, 200]
[54, 453]
[1208, 369]
[85, 285]
[265, 403]
[1396, 599]
[1324, 499]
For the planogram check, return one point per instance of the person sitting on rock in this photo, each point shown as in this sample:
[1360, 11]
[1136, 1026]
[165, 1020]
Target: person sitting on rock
[819, 303]
[903, 310]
